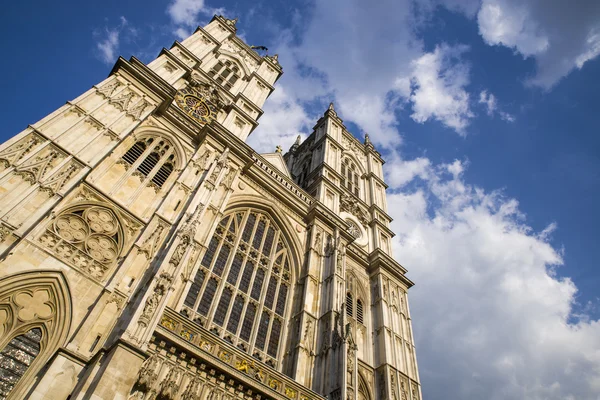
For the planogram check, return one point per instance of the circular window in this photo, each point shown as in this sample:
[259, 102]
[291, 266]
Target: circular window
[353, 229]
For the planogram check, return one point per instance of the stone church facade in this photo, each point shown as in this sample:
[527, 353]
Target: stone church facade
[147, 252]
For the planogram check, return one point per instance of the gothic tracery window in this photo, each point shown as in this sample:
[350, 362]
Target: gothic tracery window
[153, 159]
[354, 308]
[16, 357]
[226, 73]
[350, 177]
[242, 285]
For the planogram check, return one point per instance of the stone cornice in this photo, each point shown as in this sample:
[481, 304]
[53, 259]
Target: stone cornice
[185, 50]
[250, 104]
[378, 260]
[382, 212]
[371, 175]
[147, 77]
[172, 57]
[382, 227]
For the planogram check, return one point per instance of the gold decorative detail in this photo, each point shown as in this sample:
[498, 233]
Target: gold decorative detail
[168, 323]
[202, 102]
[187, 335]
[274, 384]
[242, 365]
[206, 346]
[291, 393]
[225, 356]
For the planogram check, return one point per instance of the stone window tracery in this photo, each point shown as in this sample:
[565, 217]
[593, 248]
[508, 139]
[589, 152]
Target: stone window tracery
[355, 308]
[242, 284]
[350, 177]
[87, 236]
[226, 73]
[153, 159]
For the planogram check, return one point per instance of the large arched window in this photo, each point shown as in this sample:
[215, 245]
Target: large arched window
[350, 177]
[16, 357]
[226, 73]
[241, 288]
[153, 159]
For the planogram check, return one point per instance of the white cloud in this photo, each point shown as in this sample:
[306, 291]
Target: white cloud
[559, 35]
[108, 45]
[283, 121]
[489, 100]
[439, 81]
[491, 104]
[399, 172]
[491, 317]
[511, 26]
[185, 14]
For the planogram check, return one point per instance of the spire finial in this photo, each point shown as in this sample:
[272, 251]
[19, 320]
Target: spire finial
[368, 142]
[278, 149]
[297, 142]
[331, 106]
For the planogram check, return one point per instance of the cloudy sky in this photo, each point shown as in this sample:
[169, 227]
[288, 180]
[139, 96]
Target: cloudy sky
[487, 113]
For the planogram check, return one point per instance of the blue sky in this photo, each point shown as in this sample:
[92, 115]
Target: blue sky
[487, 112]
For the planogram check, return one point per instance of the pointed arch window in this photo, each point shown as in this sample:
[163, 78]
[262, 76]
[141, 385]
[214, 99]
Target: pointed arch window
[16, 358]
[152, 159]
[243, 283]
[359, 311]
[349, 305]
[226, 73]
[350, 176]
[355, 308]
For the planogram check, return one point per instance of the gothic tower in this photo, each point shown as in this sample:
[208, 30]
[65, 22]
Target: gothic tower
[147, 252]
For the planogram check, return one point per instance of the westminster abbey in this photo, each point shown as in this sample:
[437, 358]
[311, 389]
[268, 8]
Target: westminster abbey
[147, 252]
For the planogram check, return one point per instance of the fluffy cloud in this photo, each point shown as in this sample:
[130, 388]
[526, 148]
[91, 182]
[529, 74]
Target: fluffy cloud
[377, 71]
[559, 35]
[108, 41]
[439, 81]
[491, 105]
[185, 15]
[283, 121]
[491, 317]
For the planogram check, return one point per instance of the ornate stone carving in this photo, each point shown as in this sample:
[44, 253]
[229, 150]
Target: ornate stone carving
[353, 229]
[221, 163]
[241, 53]
[351, 145]
[202, 162]
[122, 100]
[146, 377]
[57, 181]
[152, 302]
[15, 152]
[151, 243]
[349, 204]
[309, 335]
[169, 386]
[89, 237]
[34, 169]
[108, 89]
[137, 110]
[35, 305]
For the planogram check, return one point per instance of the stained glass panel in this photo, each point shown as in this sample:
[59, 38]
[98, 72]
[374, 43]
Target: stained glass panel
[16, 358]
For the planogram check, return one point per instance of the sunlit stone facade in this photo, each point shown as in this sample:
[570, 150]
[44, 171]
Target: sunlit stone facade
[147, 252]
